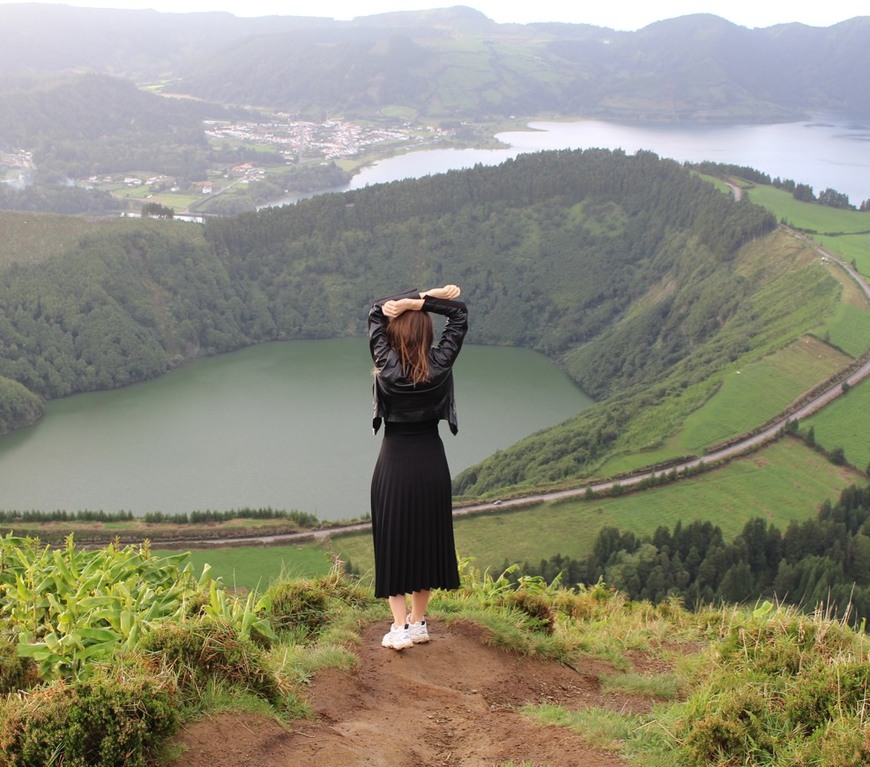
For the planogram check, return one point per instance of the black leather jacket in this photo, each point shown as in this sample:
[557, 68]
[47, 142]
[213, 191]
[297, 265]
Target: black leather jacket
[395, 398]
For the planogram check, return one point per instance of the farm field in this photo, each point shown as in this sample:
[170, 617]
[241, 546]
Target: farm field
[749, 396]
[758, 392]
[35, 237]
[852, 241]
[844, 424]
[254, 567]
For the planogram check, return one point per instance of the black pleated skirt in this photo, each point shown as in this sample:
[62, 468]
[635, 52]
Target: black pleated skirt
[412, 512]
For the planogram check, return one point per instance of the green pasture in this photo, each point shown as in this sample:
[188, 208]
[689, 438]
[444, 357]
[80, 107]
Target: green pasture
[855, 249]
[749, 396]
[845, 423]
[254, 567]
[785, 481]
[35, 237]
[757, 392]
[808, 215]
[848, 329]
[852, 228]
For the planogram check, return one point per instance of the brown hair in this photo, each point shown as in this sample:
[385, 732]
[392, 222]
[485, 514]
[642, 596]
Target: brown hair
[411, 335]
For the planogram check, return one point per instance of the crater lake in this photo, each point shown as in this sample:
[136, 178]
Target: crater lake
[285, 425]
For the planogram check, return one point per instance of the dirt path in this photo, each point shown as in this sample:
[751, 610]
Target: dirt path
[450, 703]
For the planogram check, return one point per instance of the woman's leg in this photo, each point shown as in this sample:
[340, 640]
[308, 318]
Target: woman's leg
[399, 608]
[419, 602]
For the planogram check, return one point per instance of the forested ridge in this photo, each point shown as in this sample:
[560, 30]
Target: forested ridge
[619, 266]
[89, 124]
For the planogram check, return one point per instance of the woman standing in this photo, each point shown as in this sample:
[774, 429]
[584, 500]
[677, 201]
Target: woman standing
[411, 500]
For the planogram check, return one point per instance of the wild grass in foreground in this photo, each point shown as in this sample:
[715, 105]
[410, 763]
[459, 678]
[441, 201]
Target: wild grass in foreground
[723, 686]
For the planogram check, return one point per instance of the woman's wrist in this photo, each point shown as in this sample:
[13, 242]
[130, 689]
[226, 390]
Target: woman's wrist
[448, 292]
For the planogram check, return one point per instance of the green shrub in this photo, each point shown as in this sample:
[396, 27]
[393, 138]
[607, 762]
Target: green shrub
[199, 651]
[305, 605]
[117, 717]
[783, 644]
[826, 692]
[733, 728]
[843, 744]
[785, 689]
[298, 604]
[536, 606]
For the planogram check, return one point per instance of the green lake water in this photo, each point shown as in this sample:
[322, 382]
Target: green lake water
[281, 425]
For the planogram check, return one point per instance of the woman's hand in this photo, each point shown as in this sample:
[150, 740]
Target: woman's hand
[448, 291]
[393, 308]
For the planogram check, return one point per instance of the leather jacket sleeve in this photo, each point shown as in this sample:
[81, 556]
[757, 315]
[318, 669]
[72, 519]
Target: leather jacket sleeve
[397, 399]
[454, 331]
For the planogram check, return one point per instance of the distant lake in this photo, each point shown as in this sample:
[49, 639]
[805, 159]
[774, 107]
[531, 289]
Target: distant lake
[823, 152]
[285, 425]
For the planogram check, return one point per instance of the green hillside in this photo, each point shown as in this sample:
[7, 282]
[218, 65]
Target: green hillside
[682, 312]
[846, 233]
[687, 318]
[783, 483]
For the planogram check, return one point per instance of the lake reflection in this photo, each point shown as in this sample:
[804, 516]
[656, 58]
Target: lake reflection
[286, 425]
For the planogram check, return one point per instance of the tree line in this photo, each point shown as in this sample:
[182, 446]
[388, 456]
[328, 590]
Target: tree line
[802, 192]
[824, 560]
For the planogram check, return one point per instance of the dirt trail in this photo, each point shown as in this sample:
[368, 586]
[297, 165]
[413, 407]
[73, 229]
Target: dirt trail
[449, 703]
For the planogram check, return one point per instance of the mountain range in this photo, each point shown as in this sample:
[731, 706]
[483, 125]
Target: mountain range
[451, 63]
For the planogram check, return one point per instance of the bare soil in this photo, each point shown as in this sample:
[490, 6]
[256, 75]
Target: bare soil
[450, 703]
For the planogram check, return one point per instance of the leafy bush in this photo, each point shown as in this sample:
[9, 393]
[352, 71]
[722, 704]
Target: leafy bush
[536, 606]
[299, 604]
[116, 718]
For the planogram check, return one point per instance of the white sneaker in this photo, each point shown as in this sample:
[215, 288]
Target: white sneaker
[398, 638]
[419, 631]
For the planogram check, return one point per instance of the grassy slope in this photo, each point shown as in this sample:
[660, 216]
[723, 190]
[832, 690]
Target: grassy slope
[844, 424]
[35, 237]
[749, 396]
[755, 390]
[849, 245]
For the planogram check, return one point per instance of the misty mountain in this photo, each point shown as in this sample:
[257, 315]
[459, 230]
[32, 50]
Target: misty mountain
[454, 62]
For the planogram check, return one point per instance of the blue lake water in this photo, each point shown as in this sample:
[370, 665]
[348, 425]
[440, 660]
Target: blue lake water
[823, 152]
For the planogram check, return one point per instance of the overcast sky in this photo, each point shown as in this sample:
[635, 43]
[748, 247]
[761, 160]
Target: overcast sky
[616, 14]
